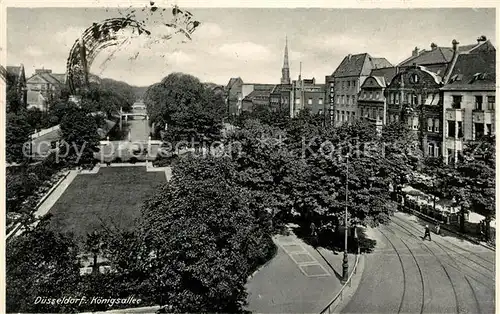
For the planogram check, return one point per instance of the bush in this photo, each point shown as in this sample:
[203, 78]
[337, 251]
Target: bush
[133, 160]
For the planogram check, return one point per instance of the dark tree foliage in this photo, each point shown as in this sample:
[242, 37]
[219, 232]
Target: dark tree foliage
[207, 238]
[79, 133]
[17, 135]
[40, 263]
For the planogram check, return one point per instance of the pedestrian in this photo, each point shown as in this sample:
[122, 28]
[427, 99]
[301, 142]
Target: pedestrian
[427, 233]
[438, 228]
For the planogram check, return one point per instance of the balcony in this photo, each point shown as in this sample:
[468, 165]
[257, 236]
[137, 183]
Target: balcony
[454, 114]
[480, 116]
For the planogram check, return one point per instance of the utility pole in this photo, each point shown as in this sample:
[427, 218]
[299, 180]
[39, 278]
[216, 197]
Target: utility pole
[345, 262]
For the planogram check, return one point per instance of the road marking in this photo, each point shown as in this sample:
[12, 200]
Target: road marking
[306, 263]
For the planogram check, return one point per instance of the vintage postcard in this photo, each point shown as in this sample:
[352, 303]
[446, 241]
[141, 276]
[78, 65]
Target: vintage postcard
[237, 157]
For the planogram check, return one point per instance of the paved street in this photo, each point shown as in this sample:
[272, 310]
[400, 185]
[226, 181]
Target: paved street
[296, 280]
[405, 274]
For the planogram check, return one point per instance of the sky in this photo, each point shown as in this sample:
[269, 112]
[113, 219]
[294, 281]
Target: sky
[241, 42]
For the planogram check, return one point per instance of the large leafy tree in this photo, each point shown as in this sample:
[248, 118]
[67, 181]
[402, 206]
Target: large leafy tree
[207, 238]
[17, 136]
[79, 132]
[40, 263]
[186, 108]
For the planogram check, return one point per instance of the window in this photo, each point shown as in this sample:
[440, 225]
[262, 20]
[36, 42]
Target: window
[361, 111]
[297, 101]
[348, 84]
[491, 102]
[419, 99]
[414, 78]
[488, 129]
[379, 117]
[430, 149]
[436, 125]
[338, 116]
[353, 84]
[331, 84]
[451, 128]
[460, 131]
[436, 150]
[320, 111]
[343, 85]
[371, 95]
[342, 117]
[320, 101]
[479, 130]
[429, 124]
[353, 115]
[396, 117]
[479, 102]
[415, 123]
[310, 101]
[331, 89]
[391, 96]
[348, 116]
[377, 95]
[338, 100]
[397, 99]
[457, 102]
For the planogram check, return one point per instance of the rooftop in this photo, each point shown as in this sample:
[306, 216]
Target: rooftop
[360, 64]
[473, 71]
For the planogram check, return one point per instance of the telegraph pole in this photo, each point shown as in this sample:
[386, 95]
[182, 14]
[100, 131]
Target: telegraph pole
[345, 262]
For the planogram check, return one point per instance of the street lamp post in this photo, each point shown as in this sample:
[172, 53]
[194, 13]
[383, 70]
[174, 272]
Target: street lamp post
[345, 262]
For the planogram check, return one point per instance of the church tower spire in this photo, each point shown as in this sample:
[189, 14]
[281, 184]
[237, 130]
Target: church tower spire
[285, 71]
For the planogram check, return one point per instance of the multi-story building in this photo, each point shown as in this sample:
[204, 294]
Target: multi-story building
[371, 99]
[233, 95]
[436, 60]
[280, 97]
[347, 81]
[16, 79]
[306, 94]
[469, 98]
[413, 97]
[46, 83]
[256, 95]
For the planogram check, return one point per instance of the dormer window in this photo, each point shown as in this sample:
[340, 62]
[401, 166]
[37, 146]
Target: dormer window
[414, 78]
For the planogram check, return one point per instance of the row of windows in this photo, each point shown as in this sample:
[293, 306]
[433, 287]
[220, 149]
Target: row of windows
[479, 99]
[309, 101]
[432, 125]
[372, 113]
[346, 100]
[345, 115]
[433, 149]
[413, 99]
[455, 129]
[346, 85]
[370, 95]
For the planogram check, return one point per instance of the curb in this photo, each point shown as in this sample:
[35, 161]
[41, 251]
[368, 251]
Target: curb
[445, 227]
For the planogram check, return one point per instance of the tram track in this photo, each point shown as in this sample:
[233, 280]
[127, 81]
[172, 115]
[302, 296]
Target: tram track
[405, 275]
[454, 260]
[490, 272]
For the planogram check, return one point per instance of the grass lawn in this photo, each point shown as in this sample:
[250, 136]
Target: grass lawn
[113, 196]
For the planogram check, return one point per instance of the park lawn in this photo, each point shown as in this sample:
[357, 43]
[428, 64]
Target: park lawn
[112, 197]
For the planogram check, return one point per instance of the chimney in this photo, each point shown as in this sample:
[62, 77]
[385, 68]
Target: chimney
[433, 46]
[414, 53]
[481, 39]
[455, 44]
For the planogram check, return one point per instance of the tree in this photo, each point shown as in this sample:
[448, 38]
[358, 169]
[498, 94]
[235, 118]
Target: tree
[472, 182]
[17, 135]
[207, 238]
[79, 132]
[40, 263]
[186, 108]
[13, 100]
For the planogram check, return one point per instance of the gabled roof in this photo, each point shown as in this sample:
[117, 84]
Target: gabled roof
[360, 64]
[352, 65]
[437, 55]
[282, 88]
[387, 73]
[233, 81]
[378, 63]
[61, 77]
[259, 94]
[472, 71]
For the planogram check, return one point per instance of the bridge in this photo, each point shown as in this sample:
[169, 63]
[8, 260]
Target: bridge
[132, 114]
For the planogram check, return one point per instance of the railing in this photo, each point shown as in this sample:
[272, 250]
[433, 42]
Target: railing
[332, 305]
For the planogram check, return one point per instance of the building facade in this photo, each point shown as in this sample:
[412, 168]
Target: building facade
[413, 97]
[469, 99]
[233, 95]
[48, 84]
[347, 81]
[306, 94]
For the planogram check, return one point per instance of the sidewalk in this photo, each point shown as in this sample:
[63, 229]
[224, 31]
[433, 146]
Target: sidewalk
[297, 280]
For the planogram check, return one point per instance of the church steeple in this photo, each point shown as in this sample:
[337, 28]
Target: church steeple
[285, 71]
